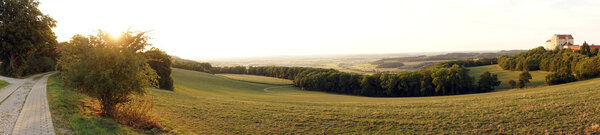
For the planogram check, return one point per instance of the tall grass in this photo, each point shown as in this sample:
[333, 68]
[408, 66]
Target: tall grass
[137, 113]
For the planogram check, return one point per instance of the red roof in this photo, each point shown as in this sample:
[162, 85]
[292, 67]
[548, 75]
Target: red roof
[565, 36]
[578, 47]
[548, 40]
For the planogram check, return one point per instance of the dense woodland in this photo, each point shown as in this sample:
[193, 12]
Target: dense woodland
[565, 64]
[27, 43]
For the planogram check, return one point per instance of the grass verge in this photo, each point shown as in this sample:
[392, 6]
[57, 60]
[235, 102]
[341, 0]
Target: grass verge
[72, 114]
[3, 84]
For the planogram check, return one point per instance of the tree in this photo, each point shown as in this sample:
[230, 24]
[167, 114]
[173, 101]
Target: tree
[370, 85]
[107, 69]
[595, 51]
[488, 81]
[559, 78]
[23, 29]
[524, 79]
[161, 63]
[512, 84]
[585, 49]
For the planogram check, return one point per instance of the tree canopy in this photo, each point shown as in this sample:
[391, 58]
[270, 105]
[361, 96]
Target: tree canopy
[524, 79]
[107, 69]
[23, 29]
[161, 63]
[487, 81]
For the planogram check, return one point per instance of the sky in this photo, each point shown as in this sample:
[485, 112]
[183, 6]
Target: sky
[213, 29]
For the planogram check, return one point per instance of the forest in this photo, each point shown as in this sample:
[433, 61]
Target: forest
[567, 65]
[445, 78]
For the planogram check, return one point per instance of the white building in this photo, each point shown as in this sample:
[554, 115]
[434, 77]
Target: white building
[558, 41]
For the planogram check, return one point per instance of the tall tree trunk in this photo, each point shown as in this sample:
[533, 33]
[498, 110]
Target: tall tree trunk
[13, 64]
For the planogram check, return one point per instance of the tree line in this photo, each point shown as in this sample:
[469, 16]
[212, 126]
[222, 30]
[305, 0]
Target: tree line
[567, 65]
[434, 81]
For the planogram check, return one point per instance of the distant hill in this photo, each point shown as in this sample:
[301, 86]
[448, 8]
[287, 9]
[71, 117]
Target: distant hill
[399, 62]
[179, 62]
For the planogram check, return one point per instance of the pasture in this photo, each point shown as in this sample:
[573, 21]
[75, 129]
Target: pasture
[257, 79]
[538, 77]
[208, 104]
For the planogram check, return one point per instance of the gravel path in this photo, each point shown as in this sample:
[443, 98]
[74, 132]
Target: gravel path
[21, 94]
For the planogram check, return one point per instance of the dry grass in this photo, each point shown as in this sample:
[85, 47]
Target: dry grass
[137, 113]
[538, 77]
[208, 104]
[257, 79]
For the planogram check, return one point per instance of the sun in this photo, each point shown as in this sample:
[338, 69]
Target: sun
[113, 32]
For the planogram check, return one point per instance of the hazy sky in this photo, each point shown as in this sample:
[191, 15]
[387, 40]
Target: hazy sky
[201, 29]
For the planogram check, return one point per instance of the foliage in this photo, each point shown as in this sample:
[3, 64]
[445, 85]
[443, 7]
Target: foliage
[390, 65]
[72, 113]
[512, 83]
[585, 49]
[136, 113]
[191, 65]
[488, 81]
[559, 78]
[524, 79]
[588, 68]
[434, 81]
[524, 61]
[595, 51]
[107, 69]
[3, 84]
[161, 63]
[469, 62]
[23, 30]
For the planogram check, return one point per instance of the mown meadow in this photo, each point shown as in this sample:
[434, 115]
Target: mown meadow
[208, 104]
[538, 77]
[257, 79]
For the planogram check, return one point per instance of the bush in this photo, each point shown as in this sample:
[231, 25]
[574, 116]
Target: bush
[107, 69]
[512, 84]
[160, 61]
[559, 78]
[137, 113]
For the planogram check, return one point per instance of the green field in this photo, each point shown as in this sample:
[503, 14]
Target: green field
[257, 79]
[3, 84]
[538, 77]
[208, 104]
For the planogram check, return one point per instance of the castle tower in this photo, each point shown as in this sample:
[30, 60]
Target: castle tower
[559, 40]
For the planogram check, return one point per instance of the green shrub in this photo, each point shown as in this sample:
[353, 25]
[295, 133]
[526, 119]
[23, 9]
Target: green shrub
[559, 78]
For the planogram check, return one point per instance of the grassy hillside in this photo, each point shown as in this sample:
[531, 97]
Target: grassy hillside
[71, 113]
[257, 79]
[209, 104]
[538, 77]
[3, 84]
